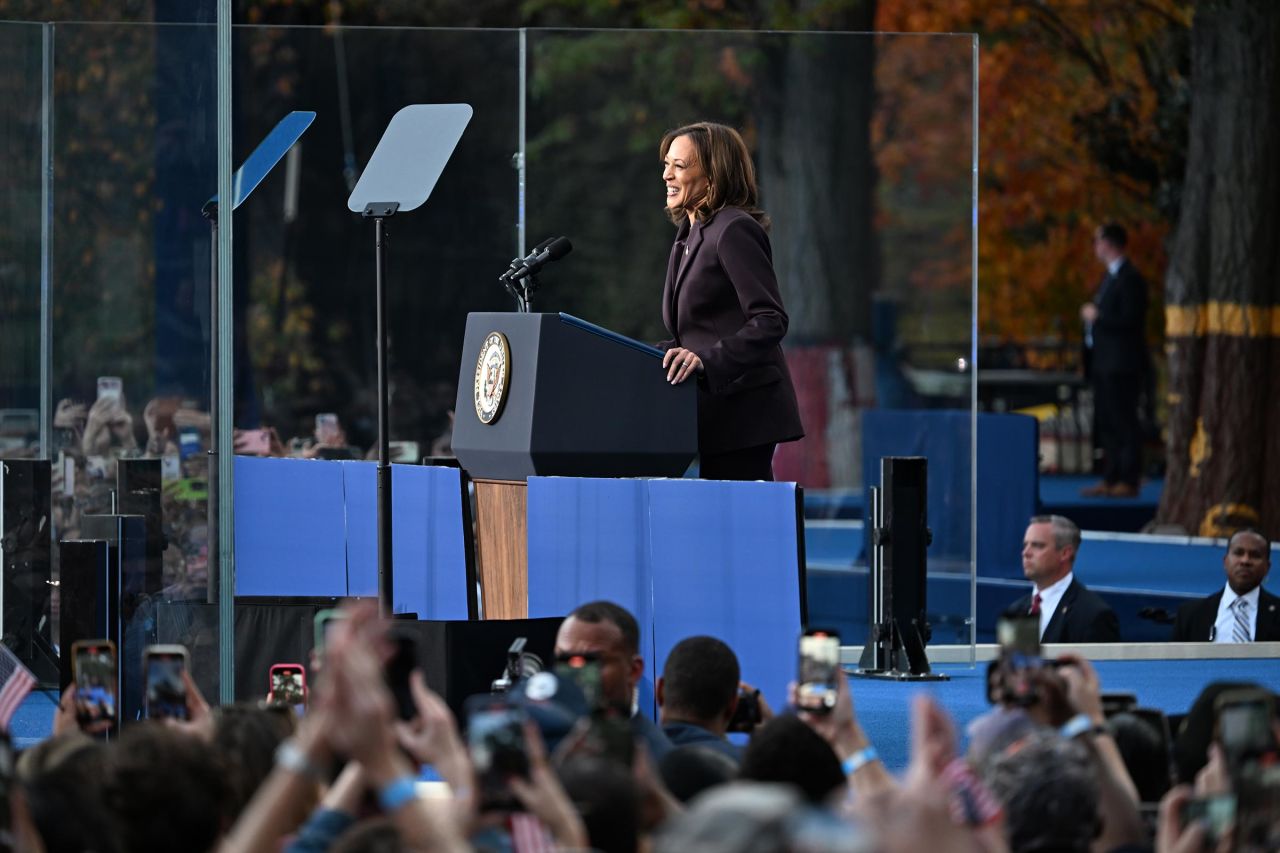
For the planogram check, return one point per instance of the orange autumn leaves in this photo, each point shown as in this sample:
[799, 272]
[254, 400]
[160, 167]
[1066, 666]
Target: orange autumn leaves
[1050, 74]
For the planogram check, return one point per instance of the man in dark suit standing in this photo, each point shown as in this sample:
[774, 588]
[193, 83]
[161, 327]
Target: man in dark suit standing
[1117, 360]
[1068, 611]
[1242, 611]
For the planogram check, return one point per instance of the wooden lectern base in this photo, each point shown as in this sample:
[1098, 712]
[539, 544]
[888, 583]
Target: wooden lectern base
[502, 548]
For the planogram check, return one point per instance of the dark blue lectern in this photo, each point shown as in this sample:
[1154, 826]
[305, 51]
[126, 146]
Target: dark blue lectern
[552, 395]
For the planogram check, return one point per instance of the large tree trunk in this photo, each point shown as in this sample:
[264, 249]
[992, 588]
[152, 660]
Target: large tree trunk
[817, 174]
[818, 181]
[1223, 285]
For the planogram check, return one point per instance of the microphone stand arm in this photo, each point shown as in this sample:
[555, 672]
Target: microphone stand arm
[528, 284]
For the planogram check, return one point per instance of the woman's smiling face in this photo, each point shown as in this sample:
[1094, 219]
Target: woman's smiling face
[683, 175]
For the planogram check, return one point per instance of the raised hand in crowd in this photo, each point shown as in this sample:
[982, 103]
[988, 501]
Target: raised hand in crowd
[71, 416]
[765, 712]
[69, 717]
[199, 721]
[841, 729]
[1174, 834]
[544, 796]
[109, 428]
[941, 803]
[257, 442]
[432, 736]
[351, 715]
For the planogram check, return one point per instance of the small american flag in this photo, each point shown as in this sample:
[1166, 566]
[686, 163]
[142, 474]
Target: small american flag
[16, 682]
[972, 802]
[528, 835]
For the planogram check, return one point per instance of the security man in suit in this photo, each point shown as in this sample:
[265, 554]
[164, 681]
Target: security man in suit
[1068, 611]
[1242, 611]
[1116, 349]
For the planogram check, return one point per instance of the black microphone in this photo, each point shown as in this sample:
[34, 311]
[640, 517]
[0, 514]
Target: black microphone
[1157, 614]
[517, 263]
[553, 251]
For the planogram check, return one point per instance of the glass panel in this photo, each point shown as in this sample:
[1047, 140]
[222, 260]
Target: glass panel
[135, 158]
[24, 493]
[864, 150]
[306, 343]
[21, 56]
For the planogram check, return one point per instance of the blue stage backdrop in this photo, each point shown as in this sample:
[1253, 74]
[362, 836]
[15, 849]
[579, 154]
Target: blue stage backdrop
[685, 556]
[309, 527]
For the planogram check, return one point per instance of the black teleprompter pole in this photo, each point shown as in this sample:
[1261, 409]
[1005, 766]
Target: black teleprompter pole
[379, 212]
[399, 177]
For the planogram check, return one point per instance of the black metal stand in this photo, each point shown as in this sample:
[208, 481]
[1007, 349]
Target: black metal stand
[405, 166]
[899, 536]
[210, 212]
[379, 212]
[520, 290]
[528, 284]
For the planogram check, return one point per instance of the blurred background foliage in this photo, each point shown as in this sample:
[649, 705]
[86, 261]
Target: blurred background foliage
[860, 144]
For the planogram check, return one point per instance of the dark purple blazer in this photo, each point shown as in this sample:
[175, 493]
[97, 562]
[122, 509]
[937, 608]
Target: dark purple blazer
[721, 300]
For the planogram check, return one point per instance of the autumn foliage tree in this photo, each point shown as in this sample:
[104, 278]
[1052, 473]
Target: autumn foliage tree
[1081, 111]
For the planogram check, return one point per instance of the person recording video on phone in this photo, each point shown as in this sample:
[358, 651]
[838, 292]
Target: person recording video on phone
[1069, 612]
[264, 441]
[108, 429]
[698, 695]
[722, 306]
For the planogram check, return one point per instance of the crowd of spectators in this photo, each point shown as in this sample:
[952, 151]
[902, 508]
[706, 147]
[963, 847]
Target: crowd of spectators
[1048, 768]
[565, 760]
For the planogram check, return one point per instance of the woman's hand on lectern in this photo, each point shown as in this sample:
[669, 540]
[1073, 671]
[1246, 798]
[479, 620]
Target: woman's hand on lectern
[680, 364]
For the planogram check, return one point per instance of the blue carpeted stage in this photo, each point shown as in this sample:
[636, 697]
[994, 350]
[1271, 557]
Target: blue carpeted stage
[1134, 573]
[1060, 494]
[1170, 685]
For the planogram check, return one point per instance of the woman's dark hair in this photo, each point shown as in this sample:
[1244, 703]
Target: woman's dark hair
[731, 176]
[164, 787]
[787, 750]
[605, 796]
[1146, 755]
[61, 782]
[245, 737]
[690, 769]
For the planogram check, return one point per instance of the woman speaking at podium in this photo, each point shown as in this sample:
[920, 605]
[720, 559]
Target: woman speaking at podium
[722, 306]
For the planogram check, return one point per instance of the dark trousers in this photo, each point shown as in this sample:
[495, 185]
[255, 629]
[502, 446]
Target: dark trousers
[1115, 425]
[749, 463]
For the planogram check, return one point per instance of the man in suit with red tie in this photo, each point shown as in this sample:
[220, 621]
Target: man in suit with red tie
[1068, 611]
[1242, 611]
[1116, 350]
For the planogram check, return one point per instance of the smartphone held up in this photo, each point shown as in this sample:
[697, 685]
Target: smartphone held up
[288, 686]
[495, 739]
[818, 671]
[165, 690]
[96, 678]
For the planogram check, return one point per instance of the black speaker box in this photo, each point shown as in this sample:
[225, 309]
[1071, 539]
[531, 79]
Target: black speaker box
[99, 585]
[85, 567]
[138, 493]
[458, 658]
[25, 549]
